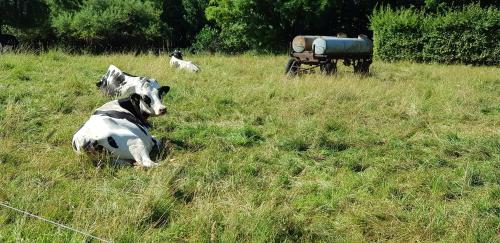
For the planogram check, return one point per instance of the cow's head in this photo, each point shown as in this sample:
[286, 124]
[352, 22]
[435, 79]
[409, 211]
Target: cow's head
[177, 54]
[151, 97]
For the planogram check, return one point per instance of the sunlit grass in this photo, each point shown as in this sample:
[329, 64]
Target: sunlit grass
[409, 153]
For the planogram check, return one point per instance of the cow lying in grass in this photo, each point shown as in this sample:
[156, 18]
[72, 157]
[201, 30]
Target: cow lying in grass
[121, 128]
[118, 83]
[177, 62]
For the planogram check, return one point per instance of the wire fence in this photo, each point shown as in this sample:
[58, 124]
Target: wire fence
[52, 222]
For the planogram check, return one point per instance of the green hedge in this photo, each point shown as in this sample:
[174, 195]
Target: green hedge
[111, 22]
[469, 35]
[398, 34]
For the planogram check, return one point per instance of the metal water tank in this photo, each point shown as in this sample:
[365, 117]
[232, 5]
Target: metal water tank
[328, 45]
[303, 43]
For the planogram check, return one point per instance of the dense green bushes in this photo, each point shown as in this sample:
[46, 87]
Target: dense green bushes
[397, 34]
[420, 33]
[268, 26]
[110, 21]
[208, 39]
[469, 35]
[98, 25]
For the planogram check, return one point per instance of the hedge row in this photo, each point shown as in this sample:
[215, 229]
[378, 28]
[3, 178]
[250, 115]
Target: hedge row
[470, 35]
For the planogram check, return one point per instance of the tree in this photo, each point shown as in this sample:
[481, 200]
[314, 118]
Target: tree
[269, 25]
[194, 17]
[23, 13]
[173, 16]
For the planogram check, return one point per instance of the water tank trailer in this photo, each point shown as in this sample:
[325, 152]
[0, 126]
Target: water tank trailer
[325, 51]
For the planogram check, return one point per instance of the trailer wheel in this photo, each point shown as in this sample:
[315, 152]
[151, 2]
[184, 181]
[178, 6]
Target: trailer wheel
[362, 66]
[329, 68]
[292, 67]
[358, 66]
[366, 65]
[366, 68]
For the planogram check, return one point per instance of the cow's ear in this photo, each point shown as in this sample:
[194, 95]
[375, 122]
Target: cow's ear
[163, 90]
[136, 98]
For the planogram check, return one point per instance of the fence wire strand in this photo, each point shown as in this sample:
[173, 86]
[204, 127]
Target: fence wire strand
[52, 222]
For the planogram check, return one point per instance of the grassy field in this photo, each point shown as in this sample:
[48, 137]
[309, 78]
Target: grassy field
[409, 153]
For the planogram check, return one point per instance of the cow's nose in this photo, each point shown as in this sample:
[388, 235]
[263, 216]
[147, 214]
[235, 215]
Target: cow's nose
[163, 111]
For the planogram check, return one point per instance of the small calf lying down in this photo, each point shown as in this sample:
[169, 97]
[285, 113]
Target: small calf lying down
[120, 127]
[177, 62]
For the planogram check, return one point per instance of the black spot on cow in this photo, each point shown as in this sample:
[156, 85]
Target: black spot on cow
[120, 79]
[101, 82]
[128, 74]
[74, 145]
[112, 142]
[110, 84]
[147, 100]
[142, 129]
[132, 104]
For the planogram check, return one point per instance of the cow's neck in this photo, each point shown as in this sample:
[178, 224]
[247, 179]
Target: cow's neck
[127, 104]
[145, 116]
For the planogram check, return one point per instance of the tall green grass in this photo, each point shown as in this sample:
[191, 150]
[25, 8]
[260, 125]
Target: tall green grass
[409, 153]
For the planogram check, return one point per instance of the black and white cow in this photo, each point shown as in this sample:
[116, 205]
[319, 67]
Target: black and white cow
[121, 128]
[176, 61]
[8, 42]
[118, 83]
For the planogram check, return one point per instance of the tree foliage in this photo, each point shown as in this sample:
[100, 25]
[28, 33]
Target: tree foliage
[267, 25]
[230, 26]
[183, 19]
[112, 20]
[23, 13]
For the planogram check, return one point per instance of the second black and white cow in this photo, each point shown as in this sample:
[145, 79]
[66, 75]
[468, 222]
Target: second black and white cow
[176, 61]
[118, 83]
[121, 128]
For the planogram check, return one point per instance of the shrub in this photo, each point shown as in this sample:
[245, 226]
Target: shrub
[207, 40]
[397, 34]
[109, 22]
[468, 35]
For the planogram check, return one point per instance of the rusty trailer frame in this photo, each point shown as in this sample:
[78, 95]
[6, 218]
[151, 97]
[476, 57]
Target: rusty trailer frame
[327, 63]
